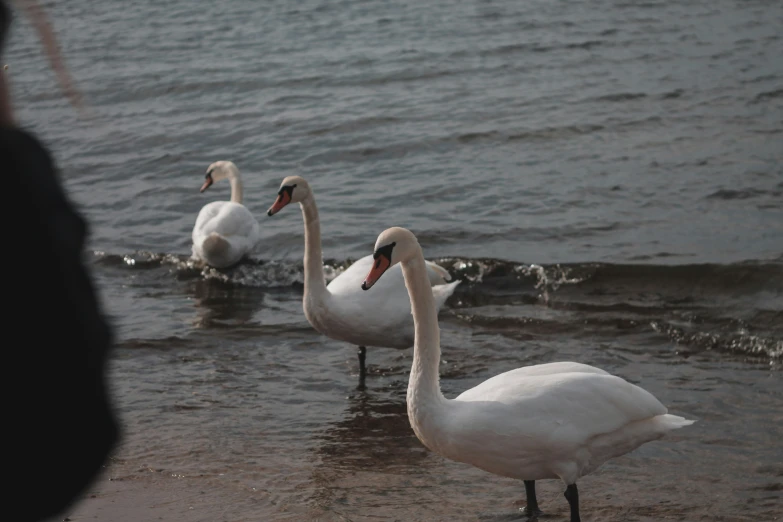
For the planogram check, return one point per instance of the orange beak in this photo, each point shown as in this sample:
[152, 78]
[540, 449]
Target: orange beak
[207, 184]
[283, 199]
[382, 264]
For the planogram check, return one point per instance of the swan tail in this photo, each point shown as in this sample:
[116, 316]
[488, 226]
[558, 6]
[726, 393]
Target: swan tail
[214, 245]
[673, 422]
[438, 274]
[442, 292]
[610, 445]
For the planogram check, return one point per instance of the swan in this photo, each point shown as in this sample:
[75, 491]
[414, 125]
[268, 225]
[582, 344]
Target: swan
[340, 310]
[557, 420]
[225, 231]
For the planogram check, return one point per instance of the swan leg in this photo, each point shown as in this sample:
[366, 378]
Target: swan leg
[362, 369]
[572, 495]
[531, 510]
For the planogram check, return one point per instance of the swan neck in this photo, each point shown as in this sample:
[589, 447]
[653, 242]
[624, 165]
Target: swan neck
[424, 384]
[236, 186]
[315, 280]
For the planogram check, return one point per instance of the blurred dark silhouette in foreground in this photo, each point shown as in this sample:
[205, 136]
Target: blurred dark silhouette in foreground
[60, 428]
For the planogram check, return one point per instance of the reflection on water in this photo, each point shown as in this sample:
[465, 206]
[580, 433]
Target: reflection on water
[373, 433]
[366, 450]
[223, 305]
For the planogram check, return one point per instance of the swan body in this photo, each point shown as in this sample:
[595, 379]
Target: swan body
[341, 310]
[350, 315]
[225, 231]
[557, 420]
[570, 423]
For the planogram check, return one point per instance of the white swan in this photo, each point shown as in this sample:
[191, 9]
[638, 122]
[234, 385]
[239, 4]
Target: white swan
[341, 310]
[558, 420]
[225, 230]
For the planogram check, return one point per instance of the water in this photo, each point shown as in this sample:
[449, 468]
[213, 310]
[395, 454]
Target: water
[605, 177]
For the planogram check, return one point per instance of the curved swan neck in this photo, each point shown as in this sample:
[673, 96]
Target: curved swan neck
[424, 383]
[315, 280]
[236, 185]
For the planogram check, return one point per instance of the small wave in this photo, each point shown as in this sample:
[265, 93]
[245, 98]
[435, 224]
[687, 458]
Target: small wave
[729, 194]
[688, 280]
[656, 255]
[542, 134]
[767, 95]
[403, 148]
[532, 47]
[622, 96]
[554, 133]
[294, 99]
[639, 5]
[249, 272]
[475, 136]
[734, 279]
[355, 125]
[589, 44]
[513, 48]
[727, 308]
[670, 95]
[737, 343]
[393, 77]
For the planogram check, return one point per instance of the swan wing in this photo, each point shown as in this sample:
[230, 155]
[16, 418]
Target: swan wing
[386, 305]
[224, 233]
[437, 274]
[384, 308]
[558, 410]
[442, 292]
[206, 215]
[228, 219]
[506, 383]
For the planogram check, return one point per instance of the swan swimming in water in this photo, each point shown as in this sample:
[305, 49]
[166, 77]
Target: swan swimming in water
[225, 231]
[557, 420]
[341, 310]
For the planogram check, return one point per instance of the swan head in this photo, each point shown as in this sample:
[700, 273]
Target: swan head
[217, 171]
[394, 245]
[293, 189]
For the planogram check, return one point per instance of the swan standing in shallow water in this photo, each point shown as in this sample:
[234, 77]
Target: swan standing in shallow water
[341, 310]
[557, 420]
[225, 230]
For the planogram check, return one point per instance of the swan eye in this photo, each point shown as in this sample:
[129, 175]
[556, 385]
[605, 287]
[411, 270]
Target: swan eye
[286, 188]
[385, 251]
[209, 175]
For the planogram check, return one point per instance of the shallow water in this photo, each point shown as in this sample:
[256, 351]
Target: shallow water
[605, 178]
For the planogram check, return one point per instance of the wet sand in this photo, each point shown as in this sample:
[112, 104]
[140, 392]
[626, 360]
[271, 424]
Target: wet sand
[134, 501]
[158, 499]
[633, 488]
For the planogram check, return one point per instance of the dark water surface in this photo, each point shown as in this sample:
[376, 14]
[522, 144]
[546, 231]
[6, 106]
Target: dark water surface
[605, 177]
